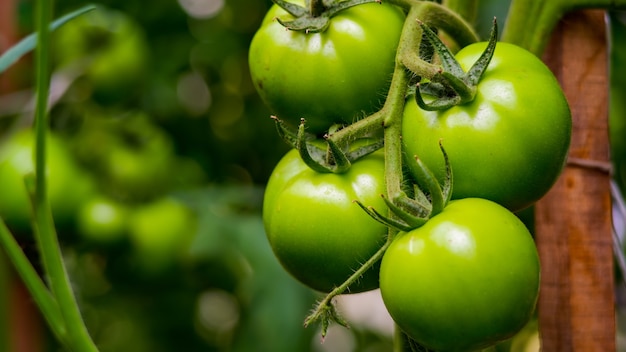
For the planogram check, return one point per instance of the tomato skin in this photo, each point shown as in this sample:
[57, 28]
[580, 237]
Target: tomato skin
[510, 144]
[315, 230]
[335, 76]
[465, 280]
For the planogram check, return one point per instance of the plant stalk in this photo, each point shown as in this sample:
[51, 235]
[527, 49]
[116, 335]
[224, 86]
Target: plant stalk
[78, 337]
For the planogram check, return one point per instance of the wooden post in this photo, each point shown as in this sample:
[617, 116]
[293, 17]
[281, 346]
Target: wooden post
[573, 222]
[19, 317]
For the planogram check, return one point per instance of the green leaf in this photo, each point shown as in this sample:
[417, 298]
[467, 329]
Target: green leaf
[27, 44]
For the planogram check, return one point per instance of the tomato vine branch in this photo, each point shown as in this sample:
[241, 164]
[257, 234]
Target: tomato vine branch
[390, 119]
[325, 309]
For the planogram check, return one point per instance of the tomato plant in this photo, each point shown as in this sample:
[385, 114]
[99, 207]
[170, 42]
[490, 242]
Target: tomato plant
[510, 143]
[335, 76]
[313, 227]
[465, 280]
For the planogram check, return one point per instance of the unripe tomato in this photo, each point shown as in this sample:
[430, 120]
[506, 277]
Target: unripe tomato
[315, 230]
[465, 280]
[160, 232]
[335, 76]
[510, 143]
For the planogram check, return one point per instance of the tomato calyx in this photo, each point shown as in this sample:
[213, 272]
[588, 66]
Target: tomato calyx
[451, 85]
[413, 212]
[331, 159]
[315, 17]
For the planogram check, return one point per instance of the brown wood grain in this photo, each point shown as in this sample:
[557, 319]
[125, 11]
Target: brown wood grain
[573, 224]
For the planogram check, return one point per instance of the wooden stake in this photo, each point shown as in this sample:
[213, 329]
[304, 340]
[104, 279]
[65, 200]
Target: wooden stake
[573, 224]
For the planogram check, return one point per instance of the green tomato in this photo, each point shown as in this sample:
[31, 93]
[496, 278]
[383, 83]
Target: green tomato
[467, 279]
[111, 45]
[67, 185]
[335, 76]
[102, 220]
[510, 143]
[138, 173]
[315, 230]
[160, 232]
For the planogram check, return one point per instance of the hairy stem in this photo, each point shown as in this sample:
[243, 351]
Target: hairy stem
[327, 301]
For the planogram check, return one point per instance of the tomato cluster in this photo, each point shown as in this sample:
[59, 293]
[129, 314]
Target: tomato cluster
[467, 276]
[99, 203]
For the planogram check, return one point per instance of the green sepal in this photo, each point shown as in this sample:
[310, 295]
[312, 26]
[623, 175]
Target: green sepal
[288, 133]
[331, 159]
[337, 157]
[426, 178]
[366, 149]
[405, 202]
[308, 22]
[329, 315]
[448, 61]
[385, 220]
[439, 193]
[313, 157]
[293, 9]
[446, 187]
[478, 69]
[419, 207]
[452, 86]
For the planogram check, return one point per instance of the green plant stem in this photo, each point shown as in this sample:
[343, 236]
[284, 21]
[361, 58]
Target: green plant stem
[78, 337]
[39, 292]
[327, 300]
[542, 16]
[408, 57]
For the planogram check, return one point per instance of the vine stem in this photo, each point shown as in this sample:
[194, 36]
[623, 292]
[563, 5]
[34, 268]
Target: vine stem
[389, 118]
[327, 300]
[78, 338]
[407, 56]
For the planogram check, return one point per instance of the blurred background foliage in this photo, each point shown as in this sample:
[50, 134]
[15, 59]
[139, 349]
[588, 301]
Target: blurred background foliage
[159, 151]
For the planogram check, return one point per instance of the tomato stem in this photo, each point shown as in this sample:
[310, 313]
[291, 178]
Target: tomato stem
[326, 304]
[48, 244]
